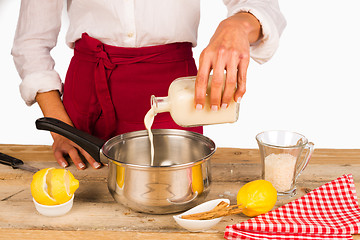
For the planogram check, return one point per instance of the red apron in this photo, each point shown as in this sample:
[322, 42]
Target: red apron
[107, 89]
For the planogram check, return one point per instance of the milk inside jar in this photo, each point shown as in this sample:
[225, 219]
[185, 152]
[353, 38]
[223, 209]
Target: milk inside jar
[181, 105]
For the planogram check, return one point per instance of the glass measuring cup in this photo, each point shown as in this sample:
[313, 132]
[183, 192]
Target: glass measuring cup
[282, 158]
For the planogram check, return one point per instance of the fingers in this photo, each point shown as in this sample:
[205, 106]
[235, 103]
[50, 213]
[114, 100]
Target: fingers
[60, 159]
[217, 81]
[223, 91]
[62, 150]
[90, 159]
[75, 157]
[63, 147]
[201, 82]
[234, 86]
[230, 83]
[243, 65]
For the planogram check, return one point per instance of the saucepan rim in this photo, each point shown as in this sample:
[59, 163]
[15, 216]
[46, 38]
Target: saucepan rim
[143, 133]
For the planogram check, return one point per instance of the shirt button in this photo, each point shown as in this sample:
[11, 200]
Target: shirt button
[130, 34]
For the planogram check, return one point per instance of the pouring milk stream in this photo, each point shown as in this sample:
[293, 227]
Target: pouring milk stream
[180, 104]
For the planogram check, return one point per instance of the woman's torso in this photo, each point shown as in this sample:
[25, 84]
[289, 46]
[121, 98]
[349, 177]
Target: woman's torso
[134, 23]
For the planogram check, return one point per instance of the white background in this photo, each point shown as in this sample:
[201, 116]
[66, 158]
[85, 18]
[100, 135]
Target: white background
[310, 86]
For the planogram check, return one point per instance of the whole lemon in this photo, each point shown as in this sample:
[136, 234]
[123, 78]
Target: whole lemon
[257, 197]
[52, 186]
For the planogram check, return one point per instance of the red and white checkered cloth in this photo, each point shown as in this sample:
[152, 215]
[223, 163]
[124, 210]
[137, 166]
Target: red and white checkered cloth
[328, 212]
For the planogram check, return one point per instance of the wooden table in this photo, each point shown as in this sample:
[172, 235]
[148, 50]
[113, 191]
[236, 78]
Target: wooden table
[95, 215]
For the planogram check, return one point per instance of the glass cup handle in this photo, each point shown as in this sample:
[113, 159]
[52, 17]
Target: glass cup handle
[301, 167]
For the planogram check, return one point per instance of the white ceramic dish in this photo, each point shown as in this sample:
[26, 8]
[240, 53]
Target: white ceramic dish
[54, 210]
[200, 225]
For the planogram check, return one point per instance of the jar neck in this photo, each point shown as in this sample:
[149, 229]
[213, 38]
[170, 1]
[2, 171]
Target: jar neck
[160, 104]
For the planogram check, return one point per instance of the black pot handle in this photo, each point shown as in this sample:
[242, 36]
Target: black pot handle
[89, 143]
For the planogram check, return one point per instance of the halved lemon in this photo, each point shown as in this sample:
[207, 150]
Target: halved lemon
[52, 186]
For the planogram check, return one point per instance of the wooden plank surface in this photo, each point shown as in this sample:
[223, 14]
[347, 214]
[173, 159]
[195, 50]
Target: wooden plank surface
[6, 234]
[95, 215]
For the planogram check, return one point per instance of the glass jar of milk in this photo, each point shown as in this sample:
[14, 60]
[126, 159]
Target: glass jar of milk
[180, 103]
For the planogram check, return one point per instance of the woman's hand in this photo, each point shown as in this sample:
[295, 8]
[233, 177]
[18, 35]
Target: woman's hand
[229, 49]
[63, 146]
[51, 106]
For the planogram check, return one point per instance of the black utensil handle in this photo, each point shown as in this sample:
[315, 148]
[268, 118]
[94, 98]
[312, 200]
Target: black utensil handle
[89, 143]
[9, 160]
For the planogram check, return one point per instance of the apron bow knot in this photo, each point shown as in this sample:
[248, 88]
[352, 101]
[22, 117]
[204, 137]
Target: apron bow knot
[102, 56]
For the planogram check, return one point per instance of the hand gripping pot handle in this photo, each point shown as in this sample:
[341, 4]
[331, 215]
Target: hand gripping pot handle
[89, 143]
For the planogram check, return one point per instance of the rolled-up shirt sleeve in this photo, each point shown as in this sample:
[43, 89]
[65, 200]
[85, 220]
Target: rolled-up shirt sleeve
[272, 23]
[36, 34]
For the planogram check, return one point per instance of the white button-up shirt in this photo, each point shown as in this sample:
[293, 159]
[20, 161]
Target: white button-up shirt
[125, 23]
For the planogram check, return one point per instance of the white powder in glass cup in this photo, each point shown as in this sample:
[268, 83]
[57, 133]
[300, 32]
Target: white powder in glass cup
[279, 170]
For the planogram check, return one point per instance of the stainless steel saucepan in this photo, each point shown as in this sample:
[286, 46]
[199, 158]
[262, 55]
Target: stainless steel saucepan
[178, 179]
